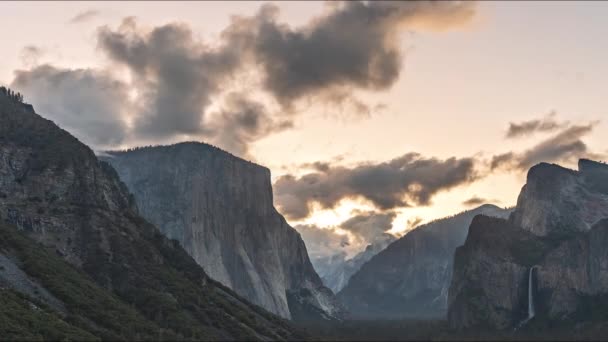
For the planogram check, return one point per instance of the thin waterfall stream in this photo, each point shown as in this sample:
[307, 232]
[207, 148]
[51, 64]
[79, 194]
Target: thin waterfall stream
[531, 307]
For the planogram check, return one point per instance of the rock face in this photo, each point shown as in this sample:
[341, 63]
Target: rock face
[558, 201]
[410, 278]
[55, 191]
[220, 208]
[559, 228]
[335, 270]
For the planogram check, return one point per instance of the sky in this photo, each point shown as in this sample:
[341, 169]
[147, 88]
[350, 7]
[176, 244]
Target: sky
[372, 117]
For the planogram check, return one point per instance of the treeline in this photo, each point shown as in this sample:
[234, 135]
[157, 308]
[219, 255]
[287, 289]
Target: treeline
[15, 96]
[148, 147]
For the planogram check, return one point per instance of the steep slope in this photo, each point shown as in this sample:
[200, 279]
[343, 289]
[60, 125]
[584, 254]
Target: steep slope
[54, 190]
[220, 208]
[410, 278]
[336, 270]
[550, 254]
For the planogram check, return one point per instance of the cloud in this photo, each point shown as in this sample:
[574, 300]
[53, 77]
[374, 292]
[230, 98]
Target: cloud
[30, 55]
[477, 201]
[175, 79]
[87, 102]
[401, 182]
[413, 223]
[352, 235]
[355, 45]
[565, 146]
[84, 16]
[176, 75]
[369, 227]
[525, 128]
[321, 242]
[240, 122]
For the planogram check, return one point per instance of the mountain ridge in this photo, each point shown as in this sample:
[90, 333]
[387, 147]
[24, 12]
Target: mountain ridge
[559, 228]
[56, 192]
[410, 277]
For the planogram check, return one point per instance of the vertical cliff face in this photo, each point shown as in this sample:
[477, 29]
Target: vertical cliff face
[220, 208]
[410, 278]
[558, 227]
[55, 191]
[558, 201]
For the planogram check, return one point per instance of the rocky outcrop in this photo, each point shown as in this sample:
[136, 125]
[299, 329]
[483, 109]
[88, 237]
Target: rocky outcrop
[410, 278]
[54, 190]
[559, 228]
[220, 208]
[558, 201]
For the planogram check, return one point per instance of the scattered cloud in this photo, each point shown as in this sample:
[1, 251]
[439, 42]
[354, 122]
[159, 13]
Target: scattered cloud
[351, 236]
[526, 128]
[408, 180]
[564, 146]
[84, 16]
[30, 55]
[175, 74]
[369, 227]
[476, 201]
[240, 122]
[336, 52]
[175, 79]
[89, 103]
[321, 242]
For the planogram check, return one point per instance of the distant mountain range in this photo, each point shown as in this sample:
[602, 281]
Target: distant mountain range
[410, 278]
[336, 270]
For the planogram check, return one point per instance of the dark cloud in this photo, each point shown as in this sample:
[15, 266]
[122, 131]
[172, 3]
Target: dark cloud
[174, 77]
[565, 146]
[84, 16]
[410, 179]
[355, 45]
[321, 242]
[240, 122]
[477, 201]
[175, 74]
[30, 55]
[89, 103]
[546, 124]
[369, 227]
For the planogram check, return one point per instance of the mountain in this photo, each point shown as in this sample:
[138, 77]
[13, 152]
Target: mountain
[547, 263]
[76, 254]
[336, 270]
[220, 208]
[410, 278]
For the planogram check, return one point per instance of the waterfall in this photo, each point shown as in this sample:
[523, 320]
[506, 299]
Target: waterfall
[531, 311]
[531, 308]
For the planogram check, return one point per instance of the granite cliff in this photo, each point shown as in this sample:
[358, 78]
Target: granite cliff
[60, 205]
[559, 228]
[410, 278]
[220, 208]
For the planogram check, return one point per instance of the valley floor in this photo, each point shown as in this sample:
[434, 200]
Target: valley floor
[438, 330]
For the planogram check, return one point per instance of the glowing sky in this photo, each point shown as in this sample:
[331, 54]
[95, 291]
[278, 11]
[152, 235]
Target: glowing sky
[458, 90]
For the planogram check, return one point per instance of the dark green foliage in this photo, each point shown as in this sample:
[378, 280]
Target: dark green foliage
[22, 319]
[85, 301]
